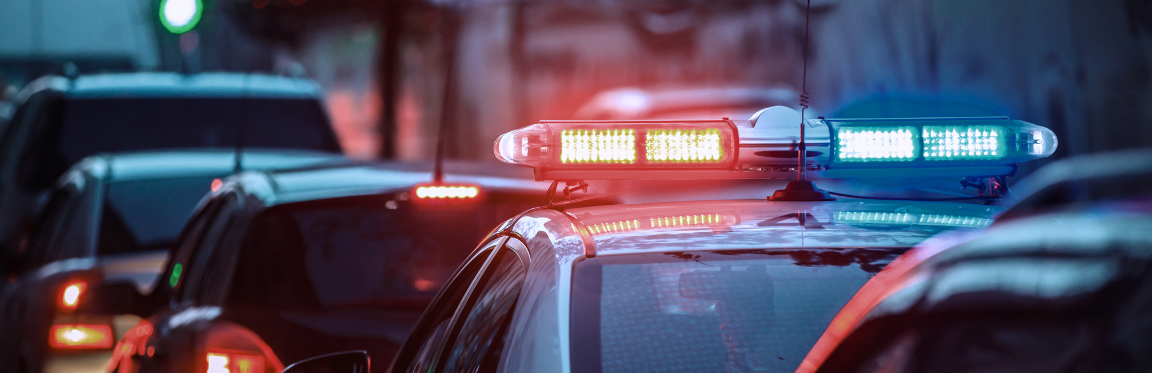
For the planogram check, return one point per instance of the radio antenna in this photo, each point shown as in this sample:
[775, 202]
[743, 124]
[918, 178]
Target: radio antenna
[242, 114]
[448, 111]
[801, 189]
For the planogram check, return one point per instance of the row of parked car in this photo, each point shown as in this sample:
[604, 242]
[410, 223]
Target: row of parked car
[162, 222]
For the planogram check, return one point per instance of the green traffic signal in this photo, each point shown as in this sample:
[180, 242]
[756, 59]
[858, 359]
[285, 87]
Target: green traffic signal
[180, 16]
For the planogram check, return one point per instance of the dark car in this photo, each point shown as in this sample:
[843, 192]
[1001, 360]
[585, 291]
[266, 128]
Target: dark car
[59, 121]
[1062, 283]
[112, 218]
[279, 266]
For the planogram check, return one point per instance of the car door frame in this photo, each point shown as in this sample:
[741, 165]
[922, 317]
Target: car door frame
[468, 302]
[485, 253]
[164, 299]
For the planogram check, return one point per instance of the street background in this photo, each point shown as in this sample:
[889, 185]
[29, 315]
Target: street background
[1080, 67]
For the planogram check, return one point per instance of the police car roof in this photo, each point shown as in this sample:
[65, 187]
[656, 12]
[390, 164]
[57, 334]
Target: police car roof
[756, 224]
[129, 166]
[742, 225]
[324, 181]
[166, 84]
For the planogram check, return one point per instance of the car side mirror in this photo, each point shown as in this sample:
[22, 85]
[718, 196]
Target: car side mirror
[114, 298]
[339, 362]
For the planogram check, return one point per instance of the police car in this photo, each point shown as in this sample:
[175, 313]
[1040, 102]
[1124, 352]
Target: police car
[718, 286]
[1060, 282]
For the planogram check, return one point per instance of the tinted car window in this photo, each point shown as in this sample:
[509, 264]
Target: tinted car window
[421, 348]
[367, 251]
[88, 126]
[41, 161]
[740, 311]
[147, 215]
[46, 233]
[201, 276]
[481, 338]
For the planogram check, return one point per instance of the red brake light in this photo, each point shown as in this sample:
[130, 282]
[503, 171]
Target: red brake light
[447, 192]
[229, 362]
[80, 336]
[216, 184]
[70, 296]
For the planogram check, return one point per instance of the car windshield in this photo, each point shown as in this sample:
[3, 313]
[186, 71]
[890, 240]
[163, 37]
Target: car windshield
[720, 311]
[377, 251]
[145, 215]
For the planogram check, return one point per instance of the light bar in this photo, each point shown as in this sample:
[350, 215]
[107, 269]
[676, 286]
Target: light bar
[718, 149]
[864, 144]
[942, 143]
[621, 145]
[684, 146]
[937, 142]
[80, 336]
[598, 146]
[899, 218]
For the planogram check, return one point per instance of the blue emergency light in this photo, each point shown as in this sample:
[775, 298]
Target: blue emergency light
[836, 148]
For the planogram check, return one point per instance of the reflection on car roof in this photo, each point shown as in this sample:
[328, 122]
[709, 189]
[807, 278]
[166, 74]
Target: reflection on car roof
[130, 166]
[163, 84]
[754, 224]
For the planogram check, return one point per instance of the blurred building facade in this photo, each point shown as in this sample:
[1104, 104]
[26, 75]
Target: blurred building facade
[1080, 67]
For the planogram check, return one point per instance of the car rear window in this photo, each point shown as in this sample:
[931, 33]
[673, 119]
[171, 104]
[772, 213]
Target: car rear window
[720, 311]
[378, 251]
[87, 126]
[147, 215]
[120, 124]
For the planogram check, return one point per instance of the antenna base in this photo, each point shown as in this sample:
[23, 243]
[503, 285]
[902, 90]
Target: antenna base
[801, 190]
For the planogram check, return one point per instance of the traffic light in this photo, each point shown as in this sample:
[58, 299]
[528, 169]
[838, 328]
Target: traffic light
[180, 16]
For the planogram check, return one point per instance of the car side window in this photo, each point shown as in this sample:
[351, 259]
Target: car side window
[45, 234]
[423, 346]
[42, 162]
[187, 243]
[197, 266]
[212, 283]
[13, 134]
[480, 341]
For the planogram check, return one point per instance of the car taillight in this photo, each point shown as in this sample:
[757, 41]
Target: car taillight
[70, 296]
[447, 191]
[231, 362]
[80, 336]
